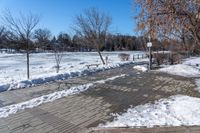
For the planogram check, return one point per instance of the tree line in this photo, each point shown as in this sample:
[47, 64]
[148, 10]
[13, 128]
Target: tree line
[43, 40]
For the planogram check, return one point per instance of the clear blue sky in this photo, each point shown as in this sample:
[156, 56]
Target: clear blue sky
[58, 15]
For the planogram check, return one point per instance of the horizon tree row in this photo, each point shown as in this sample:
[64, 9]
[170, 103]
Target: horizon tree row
[44, 41]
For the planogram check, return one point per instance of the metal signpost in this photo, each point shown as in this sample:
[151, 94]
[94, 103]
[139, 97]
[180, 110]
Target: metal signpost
[149, 45]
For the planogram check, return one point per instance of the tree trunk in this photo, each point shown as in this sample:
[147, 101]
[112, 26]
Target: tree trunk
[98, 50]
[57, 68]
[102, 60]
[27, 56]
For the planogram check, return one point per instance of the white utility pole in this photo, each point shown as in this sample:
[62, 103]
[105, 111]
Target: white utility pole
[149, 45]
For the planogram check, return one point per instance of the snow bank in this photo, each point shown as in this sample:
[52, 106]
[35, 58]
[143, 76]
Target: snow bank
[193, 61]
[175, 111]
[182, 70]
[140, 68]
[63, 76]
[6, 111]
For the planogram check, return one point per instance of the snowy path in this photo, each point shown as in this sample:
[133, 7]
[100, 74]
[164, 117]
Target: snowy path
[179, 110]
[176, 110]
[12, 109]
[92, 107]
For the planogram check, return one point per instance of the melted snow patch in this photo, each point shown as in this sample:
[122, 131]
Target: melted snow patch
[140, 68]
[175, 111]
[12, 109]
[181, 70]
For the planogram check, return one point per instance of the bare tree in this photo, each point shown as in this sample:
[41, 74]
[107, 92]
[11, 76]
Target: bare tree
[59, 46]
[64, 40]
[3, 37]
[22, 27]
[92, 26]
[42, 37]
[58, 57]
[58, 50]
[170, 19]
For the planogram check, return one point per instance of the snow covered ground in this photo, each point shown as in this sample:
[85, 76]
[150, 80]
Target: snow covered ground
[42, 67]
[193, 61]
[189, 68]
[12, 109]
[142, 68]
[182, 70]
[175, 111]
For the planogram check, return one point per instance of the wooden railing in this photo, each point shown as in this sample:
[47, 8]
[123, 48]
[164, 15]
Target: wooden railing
[140, 56]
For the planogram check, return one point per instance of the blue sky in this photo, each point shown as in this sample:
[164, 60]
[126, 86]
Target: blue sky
[58, 15]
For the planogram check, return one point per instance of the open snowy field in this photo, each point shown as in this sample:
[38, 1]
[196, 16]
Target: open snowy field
[42, 67]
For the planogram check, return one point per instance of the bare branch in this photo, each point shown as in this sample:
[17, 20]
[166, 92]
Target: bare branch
[93, 26]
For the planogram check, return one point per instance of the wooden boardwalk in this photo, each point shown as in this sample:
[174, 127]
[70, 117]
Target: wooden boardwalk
[83, 112]
[192, 129]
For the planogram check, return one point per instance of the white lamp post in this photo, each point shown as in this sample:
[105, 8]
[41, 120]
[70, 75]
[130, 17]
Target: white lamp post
[149, 45]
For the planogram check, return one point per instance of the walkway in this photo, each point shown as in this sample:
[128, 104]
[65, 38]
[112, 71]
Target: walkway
[79, 113]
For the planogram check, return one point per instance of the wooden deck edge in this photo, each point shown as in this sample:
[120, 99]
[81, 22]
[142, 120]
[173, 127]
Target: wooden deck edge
[181, 129]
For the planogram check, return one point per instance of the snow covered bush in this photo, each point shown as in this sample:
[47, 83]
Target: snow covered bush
[124, 57]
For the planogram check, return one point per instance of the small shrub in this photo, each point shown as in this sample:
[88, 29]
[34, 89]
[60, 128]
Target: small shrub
[159, 58]
[175, 58]
[124, 57]
[167, 58]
